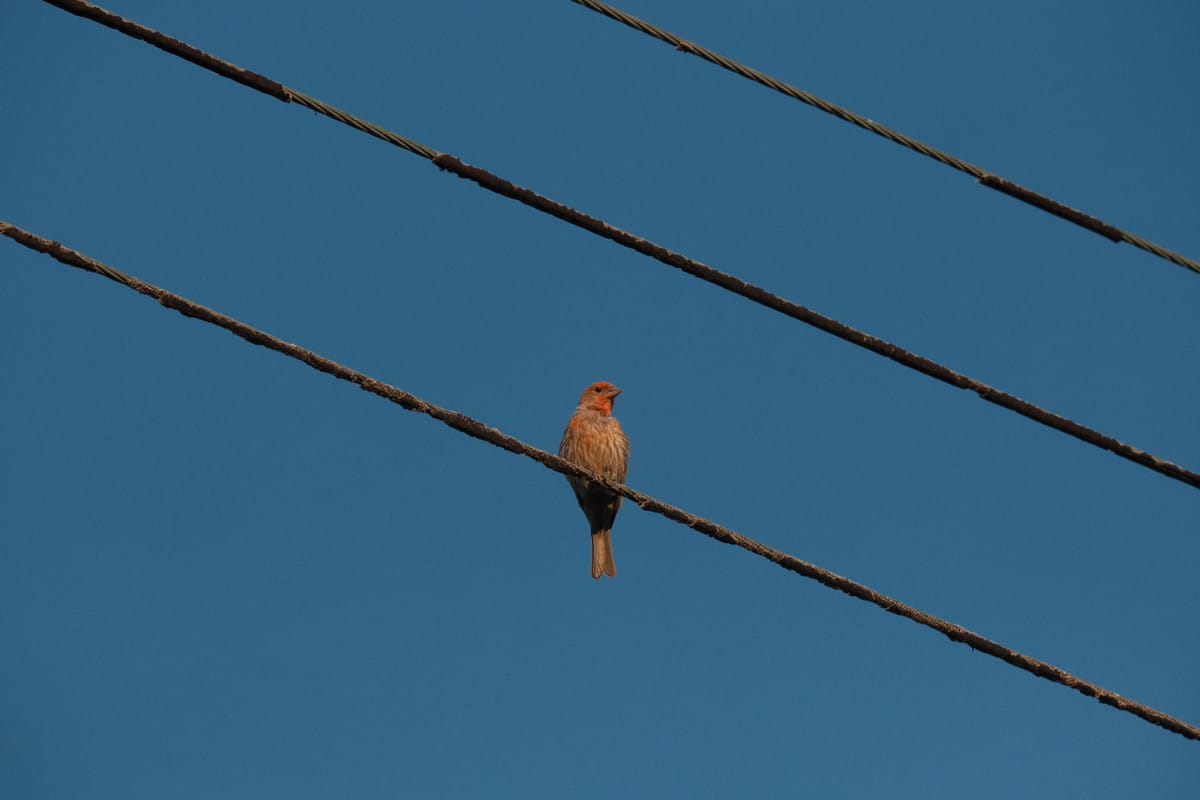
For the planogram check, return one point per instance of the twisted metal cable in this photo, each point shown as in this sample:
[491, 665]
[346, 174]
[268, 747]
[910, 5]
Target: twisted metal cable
[599, 227]
[360, 124]
[472, 427]
[986, 178]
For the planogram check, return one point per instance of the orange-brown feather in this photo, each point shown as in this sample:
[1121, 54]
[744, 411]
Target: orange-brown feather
[594, 440]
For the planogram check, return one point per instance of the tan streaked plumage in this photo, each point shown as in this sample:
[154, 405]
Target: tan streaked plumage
[594, 440]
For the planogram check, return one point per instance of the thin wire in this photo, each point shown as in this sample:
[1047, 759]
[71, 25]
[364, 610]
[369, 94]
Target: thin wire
[477, 429]
[692, 267]
[1008, 187]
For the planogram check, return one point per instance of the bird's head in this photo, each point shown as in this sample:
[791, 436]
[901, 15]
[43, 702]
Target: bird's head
[599, 396]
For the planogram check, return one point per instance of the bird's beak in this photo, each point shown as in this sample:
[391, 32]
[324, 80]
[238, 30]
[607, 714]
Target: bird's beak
[612, 392]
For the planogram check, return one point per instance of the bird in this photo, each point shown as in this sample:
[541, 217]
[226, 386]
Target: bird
[594, 440]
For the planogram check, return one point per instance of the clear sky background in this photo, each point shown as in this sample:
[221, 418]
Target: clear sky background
[223, 574]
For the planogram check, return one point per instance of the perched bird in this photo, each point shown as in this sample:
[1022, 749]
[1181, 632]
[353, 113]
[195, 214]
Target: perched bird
[594, 440]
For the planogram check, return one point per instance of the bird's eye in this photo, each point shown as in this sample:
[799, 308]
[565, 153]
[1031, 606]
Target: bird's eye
[596, 389]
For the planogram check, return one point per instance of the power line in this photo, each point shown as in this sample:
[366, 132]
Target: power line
[996, 182]
[692, 267]
[477, 429]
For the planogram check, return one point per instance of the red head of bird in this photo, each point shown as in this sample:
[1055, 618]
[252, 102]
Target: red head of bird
[599, 397]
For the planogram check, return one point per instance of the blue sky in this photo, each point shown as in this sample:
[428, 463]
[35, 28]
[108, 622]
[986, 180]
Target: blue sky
[225, 574]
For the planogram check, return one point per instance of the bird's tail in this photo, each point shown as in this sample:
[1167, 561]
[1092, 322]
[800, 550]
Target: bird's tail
[602, 557]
